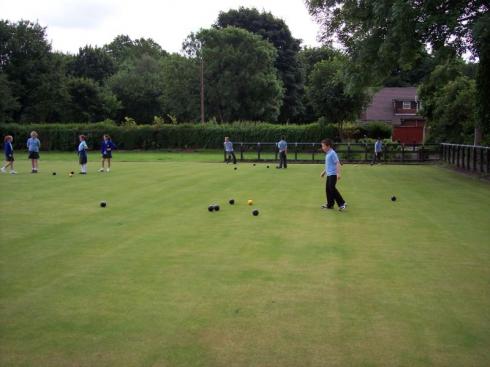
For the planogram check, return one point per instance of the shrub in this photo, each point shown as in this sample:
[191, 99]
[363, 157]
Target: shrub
[374, 130]
[165, 136]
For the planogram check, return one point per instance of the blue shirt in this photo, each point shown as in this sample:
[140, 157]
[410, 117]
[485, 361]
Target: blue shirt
[33, 144]
[82, 146]
[107, 146]
[228, 146]
[378, 146]
[9, 150]
[282, 145]
[331, 160]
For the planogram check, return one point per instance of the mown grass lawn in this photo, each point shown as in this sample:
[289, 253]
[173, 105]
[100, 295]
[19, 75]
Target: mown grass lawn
[154, 279]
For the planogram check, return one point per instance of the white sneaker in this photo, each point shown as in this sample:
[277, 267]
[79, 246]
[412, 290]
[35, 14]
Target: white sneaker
[343, 207]
[101, 170]
[108, 170]
[13, 172]
[3, 170]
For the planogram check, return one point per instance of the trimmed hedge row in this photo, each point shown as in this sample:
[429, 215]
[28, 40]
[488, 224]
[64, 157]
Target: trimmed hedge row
[182, 136]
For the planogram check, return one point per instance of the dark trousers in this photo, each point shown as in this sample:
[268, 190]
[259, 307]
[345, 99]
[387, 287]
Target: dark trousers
[376, 157]
[229, 156]
[333, 195]
[283, 160]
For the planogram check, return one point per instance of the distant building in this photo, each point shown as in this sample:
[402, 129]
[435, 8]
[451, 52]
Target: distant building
[400, 107]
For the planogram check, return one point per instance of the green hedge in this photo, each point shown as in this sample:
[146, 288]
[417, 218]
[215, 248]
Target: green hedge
[372, 130]
[194, 136]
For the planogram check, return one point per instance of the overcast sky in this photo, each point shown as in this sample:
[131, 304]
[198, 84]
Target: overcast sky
[75, 23]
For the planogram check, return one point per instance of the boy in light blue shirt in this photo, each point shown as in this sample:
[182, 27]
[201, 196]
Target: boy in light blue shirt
[378, 150]
[229, 150]
[332, 170]
[282, 145]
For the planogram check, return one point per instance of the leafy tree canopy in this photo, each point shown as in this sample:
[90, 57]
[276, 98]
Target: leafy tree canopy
[94, 63]
[241, 82]
[277, 32]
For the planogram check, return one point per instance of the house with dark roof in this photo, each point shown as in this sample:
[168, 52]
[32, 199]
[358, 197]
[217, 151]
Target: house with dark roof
[400, 108]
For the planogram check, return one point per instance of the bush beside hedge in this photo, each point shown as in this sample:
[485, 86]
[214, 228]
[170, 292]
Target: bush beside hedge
[202, 136]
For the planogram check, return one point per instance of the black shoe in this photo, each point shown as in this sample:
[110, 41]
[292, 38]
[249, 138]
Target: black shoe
[325, 206]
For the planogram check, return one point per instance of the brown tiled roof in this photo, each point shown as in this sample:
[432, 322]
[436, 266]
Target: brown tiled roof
[381, 106]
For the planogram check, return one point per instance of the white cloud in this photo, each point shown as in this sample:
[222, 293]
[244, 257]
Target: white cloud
[83, 15]
[75, 23]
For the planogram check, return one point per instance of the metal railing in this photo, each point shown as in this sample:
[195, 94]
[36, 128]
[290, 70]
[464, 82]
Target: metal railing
[347, 152]
[468, 157]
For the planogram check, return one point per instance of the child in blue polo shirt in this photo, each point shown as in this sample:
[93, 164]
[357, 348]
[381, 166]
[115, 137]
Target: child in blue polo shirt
[9, 154]
[332, 170]
[282, 146]
[33, 145]
[82, 155]
[230, 154]
[378, 151]
[106, 151]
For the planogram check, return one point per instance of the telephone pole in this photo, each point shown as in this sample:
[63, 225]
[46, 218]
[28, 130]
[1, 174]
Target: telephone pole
[202, 88]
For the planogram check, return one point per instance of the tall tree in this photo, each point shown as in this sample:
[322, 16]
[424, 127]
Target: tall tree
[139, 86]
[276, 32]
[92, 62]
[308, 58]
[414, 76]
[327, 92]
[481, 34]
[381, 36]
[8, 103]
[180, 97]
[90, 102]
[240, 77]
[123, 49]
[36, 75]
[454, 115]
[444, 73]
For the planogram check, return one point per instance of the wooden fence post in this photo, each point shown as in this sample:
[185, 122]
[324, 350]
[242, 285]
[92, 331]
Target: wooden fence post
[488, 160]
[474, 158]
[481, 160]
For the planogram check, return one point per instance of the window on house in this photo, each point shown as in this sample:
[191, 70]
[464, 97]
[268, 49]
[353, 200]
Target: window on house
[407, 105]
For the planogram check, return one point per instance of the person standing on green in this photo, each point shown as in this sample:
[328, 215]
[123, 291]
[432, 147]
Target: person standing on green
[229, 150]
[378, 151]
[282, 145]
[332, 170]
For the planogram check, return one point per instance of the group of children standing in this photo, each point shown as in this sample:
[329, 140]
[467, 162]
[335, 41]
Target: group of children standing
[33, 146]
[332, 163]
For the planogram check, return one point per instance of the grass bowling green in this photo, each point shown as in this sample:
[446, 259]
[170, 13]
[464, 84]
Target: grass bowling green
[155, 279]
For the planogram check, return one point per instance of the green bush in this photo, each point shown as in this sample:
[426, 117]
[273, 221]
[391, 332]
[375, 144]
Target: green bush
[164, 136]
[375, 130]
